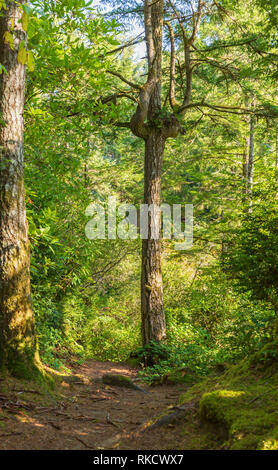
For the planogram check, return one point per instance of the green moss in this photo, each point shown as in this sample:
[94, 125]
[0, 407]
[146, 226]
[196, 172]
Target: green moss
[71, 379]
[246, 443]
[243, 401]
[270, 442]
[26, 365]
[118, 380]
[218, 405]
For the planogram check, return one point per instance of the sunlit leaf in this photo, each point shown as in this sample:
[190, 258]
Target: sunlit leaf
[22, 56]
[31, 61]
[8, 38]
[24, 21]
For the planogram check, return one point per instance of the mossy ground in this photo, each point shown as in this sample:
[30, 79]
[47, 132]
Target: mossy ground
[25, 364]
[242, 403]
[44, 390]
[237, 410]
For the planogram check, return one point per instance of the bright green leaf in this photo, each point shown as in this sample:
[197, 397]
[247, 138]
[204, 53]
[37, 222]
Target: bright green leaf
[31, 61]
[8, 38]
[24, 21]
[22, 56]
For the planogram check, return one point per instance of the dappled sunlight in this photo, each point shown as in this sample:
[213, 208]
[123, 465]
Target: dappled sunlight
[87, 415]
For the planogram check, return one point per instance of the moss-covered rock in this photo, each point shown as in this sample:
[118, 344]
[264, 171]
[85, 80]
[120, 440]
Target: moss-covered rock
[120, 381]
[217, 405]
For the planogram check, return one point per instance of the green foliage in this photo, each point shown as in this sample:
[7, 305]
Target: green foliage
[153, 352]
[194, 357]
[111, 340]
[251, 257]
[208, 324]
[86, 292]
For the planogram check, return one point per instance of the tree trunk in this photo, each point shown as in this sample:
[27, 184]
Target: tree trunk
[152, 310]
[153, 317]
[276, 159]
[245, 168]
[251, 157]
[18, 346]
[276, 148]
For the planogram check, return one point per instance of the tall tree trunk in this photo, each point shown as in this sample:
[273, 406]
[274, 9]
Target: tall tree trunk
[155, 127]
[276, 159]
[276, 144]
[245, 168]
[152, 310]
[251, 156]
[153, 318]
[276, 148]
[18, 346]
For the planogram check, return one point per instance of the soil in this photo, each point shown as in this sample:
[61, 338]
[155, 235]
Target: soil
[91, 415]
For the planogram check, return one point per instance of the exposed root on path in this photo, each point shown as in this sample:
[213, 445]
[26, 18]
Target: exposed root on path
[89, 414]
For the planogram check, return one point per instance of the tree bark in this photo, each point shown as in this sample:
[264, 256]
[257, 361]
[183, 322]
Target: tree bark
[245, 168]
[153, 317]
[276, 159]
[152, 309]
[251, 157]
[18, 345]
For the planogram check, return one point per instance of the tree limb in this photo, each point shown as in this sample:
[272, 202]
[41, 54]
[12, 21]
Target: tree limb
[137, 123]
[227, 109]
[137, 40]
[172, 93]
[125, 80]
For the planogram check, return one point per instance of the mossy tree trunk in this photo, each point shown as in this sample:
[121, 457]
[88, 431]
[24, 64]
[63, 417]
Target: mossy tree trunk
[18, 346]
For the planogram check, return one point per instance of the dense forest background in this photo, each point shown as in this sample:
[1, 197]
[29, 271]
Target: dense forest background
[218, 295]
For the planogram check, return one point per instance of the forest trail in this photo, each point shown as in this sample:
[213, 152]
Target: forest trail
[90, 415]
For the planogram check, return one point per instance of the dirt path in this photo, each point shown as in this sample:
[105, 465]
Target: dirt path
[90, 415]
